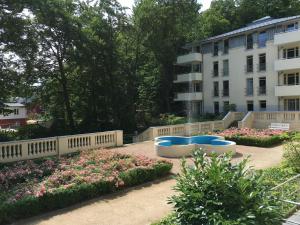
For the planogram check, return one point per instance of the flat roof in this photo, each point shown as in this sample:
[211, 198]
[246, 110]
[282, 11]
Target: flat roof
[12, 104]
[260, 23]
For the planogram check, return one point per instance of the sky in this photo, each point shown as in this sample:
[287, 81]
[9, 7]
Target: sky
[129, 3]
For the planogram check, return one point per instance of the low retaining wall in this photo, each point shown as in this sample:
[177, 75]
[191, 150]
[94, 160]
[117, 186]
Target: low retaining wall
[262, 120]
[35, 148]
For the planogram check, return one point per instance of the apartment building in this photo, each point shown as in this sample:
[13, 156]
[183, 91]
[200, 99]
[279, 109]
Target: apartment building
[256, 68]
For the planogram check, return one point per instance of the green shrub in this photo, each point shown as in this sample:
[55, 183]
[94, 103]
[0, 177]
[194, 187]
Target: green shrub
[32, 131]
[257, 141]
[292, 155]
[7, 136]
[168, 220]
[287, 191]
[216, 192]
[170, 119]
[31, 205]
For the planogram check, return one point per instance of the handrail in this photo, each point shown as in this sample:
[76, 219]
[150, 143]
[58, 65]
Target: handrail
[288, 31]
[287, 181]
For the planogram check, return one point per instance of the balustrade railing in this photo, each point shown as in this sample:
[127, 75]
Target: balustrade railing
[188, 128]
[35, 148]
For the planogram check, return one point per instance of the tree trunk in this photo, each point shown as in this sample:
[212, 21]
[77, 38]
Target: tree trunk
[66, 97]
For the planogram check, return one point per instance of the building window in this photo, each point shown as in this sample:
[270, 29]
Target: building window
[249, 41]
[291, 104]
[262, 62]
[290, 53]
[216, 69]
[225, 67]
[216, 108]
[291, 79]
[250, 106]
[262, 39]
[225, 88]
[292, 27]
[226, 46]
[216, 89]
[249, 67]
[16, 111]
[263, 105]
[197, 68]
[249, 87]
[262, 88]
[216, 49]
[197, 87]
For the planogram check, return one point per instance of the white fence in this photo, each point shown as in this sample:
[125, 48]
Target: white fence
[29, 149]
[188, 128]
[262, 120]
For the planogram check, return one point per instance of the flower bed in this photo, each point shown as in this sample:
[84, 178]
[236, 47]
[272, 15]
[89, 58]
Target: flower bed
[254, 137]
[31, 187]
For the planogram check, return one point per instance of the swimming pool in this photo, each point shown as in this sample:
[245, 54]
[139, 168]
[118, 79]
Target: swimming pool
[178, 146]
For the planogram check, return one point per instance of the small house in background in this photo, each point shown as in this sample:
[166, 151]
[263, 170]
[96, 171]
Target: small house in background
[13, 115]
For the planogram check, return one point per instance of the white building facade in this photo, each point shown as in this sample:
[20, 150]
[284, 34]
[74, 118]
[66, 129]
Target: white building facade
[256, 68]
[15, 117]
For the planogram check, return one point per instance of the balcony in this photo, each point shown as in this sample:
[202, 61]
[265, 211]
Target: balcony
[188, 77]
[287, 64]
[287, 90]
[287, 37]
[189, 58]
[194, 96]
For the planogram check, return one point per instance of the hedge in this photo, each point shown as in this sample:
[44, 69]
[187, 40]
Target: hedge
[31, 205]
[257, 141]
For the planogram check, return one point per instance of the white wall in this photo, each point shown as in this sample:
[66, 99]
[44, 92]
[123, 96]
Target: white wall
[237, 78]
[22, 113]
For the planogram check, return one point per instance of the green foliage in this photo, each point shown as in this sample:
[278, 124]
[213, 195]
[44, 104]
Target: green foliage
[230, 107]
[171, 119]
[7, 136]
[61, 198]
[141, 175]
[292, 155]
[98, 68]
[216, 192]
[257, 141]
[289, 191]
[32, 131]
[168, 220]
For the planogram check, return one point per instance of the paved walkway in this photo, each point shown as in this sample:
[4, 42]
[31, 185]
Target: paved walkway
[293, 220]
[143, 204]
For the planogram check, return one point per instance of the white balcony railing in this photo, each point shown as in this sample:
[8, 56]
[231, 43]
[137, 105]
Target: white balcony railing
[287, 37]
[194, 96]
[188, 77]
[287, 64]
[287, 90]
[189, 58]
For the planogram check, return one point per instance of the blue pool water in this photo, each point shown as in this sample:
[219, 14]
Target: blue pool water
[203, 139]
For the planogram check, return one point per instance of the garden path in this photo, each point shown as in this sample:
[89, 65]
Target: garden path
[143, 204]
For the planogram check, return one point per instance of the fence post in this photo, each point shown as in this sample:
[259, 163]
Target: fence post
[119, 138]
[58, 145]
[155, 132]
